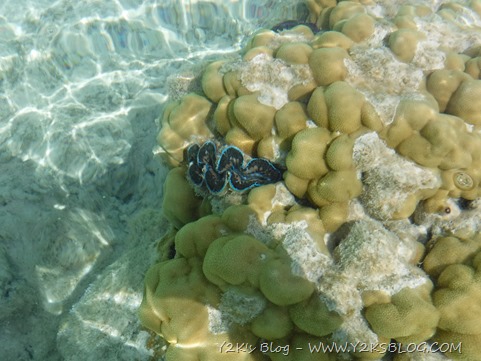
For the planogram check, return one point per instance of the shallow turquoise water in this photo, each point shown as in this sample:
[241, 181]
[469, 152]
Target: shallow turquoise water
[72, 70]
[81, 86]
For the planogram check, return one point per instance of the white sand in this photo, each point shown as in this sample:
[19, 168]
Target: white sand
[81, 85]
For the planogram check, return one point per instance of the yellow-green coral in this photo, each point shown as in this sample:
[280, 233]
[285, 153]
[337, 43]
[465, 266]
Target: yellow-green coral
[176, 306]
[409, 316]
[200, 282]
[327, 176]
[180, 204]
[372, 152]
[455, 264]
[433, 140]
[182, 122]
[447, 251]
[458, 298]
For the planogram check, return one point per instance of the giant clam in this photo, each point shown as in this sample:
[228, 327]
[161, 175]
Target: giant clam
[215, 168]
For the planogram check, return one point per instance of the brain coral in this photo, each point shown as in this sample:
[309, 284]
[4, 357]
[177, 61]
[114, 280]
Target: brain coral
[324, 189]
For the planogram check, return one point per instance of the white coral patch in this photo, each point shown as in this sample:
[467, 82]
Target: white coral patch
[217, 323]
[381, 78]
[377, 259]
[272, 78]
[283, 197]
[307, 259]
[388, 178]
[368, 258]
[457, 35]
[241, 307]
[354, 328]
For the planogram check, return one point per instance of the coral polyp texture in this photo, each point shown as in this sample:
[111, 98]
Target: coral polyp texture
[324, 192]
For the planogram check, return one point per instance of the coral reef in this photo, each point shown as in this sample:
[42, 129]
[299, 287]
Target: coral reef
[455, 263]
[370, 236]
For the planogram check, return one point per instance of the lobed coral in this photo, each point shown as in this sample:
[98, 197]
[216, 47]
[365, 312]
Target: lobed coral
[370, 235]
[455, 264]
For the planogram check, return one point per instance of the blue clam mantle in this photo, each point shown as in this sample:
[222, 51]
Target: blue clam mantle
[215, 168]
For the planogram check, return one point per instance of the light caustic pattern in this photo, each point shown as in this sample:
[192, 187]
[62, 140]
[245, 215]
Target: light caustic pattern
[71, 72]
[81, 84]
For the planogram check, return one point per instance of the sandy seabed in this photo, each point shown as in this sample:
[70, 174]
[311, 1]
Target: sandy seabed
[82, 84]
